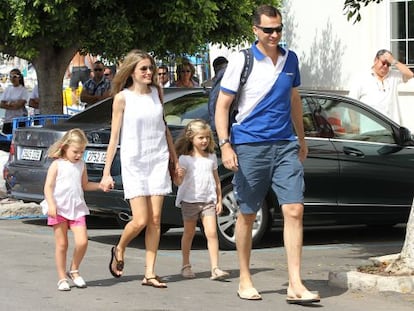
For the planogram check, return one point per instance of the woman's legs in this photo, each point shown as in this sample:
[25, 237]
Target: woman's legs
[61, 248]
[139, 220]
[152, 233]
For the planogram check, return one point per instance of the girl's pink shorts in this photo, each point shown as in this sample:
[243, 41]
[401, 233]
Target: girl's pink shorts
[81, 221]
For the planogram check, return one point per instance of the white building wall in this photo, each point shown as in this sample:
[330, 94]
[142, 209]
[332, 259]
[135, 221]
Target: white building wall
[332, 50]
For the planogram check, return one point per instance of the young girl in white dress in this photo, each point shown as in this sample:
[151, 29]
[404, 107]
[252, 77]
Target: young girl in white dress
[146, 150]
[199, 192]
[64, 204]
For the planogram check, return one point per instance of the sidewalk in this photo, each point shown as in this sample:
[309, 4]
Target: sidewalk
[29, 274]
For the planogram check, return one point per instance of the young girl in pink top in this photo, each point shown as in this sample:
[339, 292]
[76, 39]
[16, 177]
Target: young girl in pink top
[64, 203]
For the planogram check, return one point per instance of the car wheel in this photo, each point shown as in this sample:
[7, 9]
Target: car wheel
[226, 221]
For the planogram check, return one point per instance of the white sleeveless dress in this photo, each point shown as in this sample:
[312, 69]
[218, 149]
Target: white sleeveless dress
[68, 192]
[144, 149]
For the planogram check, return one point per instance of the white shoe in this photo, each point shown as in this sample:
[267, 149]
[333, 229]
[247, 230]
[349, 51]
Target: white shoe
[63, 285]
[78, 281]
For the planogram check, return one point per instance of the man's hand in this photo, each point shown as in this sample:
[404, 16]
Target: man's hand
[229, 158]
[303, 151]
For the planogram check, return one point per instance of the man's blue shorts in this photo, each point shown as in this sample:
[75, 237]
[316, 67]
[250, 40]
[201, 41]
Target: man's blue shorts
[265, 165]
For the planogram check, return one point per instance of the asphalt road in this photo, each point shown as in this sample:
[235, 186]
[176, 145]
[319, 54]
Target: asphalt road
[29, 279]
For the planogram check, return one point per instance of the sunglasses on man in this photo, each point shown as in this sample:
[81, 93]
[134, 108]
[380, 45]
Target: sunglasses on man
[271, 30]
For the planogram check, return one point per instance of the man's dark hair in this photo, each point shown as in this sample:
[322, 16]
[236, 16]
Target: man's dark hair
[381, 52]
[267, 10]
[98, 62]
[163, 67]
[218, 63]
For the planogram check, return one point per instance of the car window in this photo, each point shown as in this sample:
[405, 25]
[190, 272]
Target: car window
[182, 110]
[352, 122]
[315, 119]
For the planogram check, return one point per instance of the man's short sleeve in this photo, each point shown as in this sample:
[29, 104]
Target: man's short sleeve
[231, 78]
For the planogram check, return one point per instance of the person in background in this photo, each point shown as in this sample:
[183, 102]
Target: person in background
[265, 147]
[219, 66]
[378, 87]
[79, 70]
[108, 73]
[146, 150]
[185, 75]
[163, 76]
[96, 88]
[199, 192]
[64, 204]
[14, 99]
[34, 100]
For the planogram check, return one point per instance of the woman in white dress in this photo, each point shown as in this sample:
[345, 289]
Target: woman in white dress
[146, 150]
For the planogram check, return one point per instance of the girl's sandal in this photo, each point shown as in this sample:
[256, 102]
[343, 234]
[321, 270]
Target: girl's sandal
[218, 275]
[186, 272]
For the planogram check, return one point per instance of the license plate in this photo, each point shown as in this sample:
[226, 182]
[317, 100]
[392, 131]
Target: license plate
[31, 154]
[97, 157]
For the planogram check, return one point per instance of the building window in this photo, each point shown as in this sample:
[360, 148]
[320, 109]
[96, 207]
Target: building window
[402, 31]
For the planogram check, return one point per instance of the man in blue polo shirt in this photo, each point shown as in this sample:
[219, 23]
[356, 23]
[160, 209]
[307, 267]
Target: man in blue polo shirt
[262, 148]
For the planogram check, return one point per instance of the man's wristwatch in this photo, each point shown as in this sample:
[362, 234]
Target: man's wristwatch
[222, 142]
[394, 62]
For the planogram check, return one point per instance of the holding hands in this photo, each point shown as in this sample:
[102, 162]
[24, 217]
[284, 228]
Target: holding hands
[107, 183]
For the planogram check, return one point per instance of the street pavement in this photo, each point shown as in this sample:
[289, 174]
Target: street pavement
[29, 278]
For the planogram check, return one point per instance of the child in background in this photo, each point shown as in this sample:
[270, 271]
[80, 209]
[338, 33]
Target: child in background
[64, 204]
[199, 192]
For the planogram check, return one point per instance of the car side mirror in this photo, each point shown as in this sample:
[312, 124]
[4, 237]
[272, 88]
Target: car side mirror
[405, 136]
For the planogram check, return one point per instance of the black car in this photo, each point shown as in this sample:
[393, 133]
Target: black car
[352, 176]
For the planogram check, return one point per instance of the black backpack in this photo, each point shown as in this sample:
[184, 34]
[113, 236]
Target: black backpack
[215, 89]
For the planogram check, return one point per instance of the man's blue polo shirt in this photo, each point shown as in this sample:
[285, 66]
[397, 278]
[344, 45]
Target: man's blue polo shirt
[264, 110]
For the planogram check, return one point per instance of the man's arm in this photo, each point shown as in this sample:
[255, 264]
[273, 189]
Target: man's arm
[228, 156]
[297, 119]
[406, 72]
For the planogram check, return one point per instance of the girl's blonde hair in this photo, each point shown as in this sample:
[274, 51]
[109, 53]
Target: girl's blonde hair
[184, 143]
[123, 78]
[73, 136]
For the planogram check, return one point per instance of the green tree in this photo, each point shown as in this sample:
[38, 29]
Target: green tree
[352, 8]
[49, 32]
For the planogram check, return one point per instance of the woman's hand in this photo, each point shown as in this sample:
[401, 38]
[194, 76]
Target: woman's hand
[107, 183]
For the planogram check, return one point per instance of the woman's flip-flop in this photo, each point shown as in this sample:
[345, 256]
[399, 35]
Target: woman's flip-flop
[150, 282]
[119, 264]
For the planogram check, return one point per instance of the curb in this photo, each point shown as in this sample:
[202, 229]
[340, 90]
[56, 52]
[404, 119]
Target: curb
[371, 283]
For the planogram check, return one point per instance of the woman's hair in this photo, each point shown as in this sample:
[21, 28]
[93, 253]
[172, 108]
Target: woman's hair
[184, 143]
[182, 66]
[123, 78]
[74, 136]
[18, 72]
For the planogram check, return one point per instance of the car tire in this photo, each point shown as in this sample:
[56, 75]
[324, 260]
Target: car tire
[226, 221]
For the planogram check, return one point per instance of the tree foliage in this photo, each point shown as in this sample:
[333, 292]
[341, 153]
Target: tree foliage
[352, 8]
[49, 32]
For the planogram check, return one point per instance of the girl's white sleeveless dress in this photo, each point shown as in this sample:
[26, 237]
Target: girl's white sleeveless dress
[68, 192]
[144, 149]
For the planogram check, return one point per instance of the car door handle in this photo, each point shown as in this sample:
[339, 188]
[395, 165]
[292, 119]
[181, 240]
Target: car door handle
[353, 152]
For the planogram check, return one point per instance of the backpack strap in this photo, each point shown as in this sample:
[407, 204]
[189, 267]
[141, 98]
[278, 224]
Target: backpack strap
[248, 65]
[247, 69]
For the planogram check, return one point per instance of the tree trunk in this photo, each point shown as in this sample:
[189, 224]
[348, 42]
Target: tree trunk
[402, 263]
[407, 252]
[50, 68]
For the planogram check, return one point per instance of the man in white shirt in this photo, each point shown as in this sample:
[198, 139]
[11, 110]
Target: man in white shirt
[378, 88]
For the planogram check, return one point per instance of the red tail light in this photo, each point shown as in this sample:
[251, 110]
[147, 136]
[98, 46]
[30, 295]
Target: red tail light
[11, 150]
